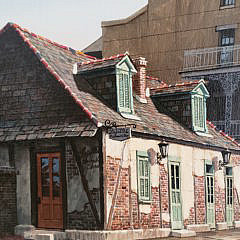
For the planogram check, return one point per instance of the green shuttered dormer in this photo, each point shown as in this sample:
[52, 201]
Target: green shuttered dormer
[124, 71]
[199, 96]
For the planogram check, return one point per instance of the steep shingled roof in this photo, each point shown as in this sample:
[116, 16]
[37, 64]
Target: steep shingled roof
[59, 60]
[177, 88]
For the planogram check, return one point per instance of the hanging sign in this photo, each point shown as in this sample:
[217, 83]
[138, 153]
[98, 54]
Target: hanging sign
[119, 134]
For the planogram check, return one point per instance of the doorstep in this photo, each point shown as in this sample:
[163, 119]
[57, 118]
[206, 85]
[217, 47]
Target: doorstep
[183, 233]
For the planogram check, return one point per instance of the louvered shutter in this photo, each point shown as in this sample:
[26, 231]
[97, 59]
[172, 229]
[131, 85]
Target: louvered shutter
[144, 174]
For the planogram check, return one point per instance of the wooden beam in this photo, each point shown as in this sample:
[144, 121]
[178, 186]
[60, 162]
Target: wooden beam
[85, 182]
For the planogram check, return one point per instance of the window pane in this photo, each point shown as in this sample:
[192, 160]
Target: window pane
[172, 177]
[146, 169]
[45, 179]
[146, 188]
[227, 37]
[56, 177]
[141, 187]
[227, 2]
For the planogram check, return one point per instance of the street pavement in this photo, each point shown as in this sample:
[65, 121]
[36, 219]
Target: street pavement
[233, 234]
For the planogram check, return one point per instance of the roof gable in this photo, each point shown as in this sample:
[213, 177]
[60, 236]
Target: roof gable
[201, 89]
[126, 64]
[57, 59]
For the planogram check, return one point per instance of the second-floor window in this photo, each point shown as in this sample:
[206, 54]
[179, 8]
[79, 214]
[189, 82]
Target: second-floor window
[226, 40]
[227, 2]
[227, 37]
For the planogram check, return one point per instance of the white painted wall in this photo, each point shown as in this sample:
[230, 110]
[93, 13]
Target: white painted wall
[192, 162]
[22, 164]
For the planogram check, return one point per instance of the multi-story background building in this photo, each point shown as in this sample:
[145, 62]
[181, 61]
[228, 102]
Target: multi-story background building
[187, 39]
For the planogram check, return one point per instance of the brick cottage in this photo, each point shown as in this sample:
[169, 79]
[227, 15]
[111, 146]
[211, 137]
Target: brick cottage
[62, 166]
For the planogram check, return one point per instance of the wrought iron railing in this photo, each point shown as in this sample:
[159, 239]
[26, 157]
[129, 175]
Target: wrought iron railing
[206, 58]
[234, 130]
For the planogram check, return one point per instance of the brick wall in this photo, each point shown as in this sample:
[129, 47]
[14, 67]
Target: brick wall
[165, 207]
[126, 211]
[8, 207]
[199, 184]
[180, 107]
[105, 86]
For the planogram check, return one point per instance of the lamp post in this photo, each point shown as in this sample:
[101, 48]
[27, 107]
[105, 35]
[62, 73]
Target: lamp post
[226, 154]
[163, 151]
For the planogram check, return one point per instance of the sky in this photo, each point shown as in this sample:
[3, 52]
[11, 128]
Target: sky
[74, 23]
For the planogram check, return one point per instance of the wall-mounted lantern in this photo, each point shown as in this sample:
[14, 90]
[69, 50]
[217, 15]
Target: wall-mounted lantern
[226, 154]
[163, 151]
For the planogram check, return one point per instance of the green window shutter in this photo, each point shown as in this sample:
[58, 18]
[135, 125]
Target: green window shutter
[196, 110]
[124, 91]
[144, 174]
[201, 112]
[198, 113]
[121, 90]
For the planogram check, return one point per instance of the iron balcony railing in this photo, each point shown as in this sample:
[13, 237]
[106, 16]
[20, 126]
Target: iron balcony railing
[206, 58]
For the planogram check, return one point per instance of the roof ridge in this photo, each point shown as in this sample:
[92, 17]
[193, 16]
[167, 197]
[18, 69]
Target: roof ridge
[103, 59]
[181, 84]
[89, 114]
[73, 51]
[223, 133]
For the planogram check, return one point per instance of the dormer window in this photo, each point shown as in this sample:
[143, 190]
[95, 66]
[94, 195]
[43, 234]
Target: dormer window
[199, 96]
[111, 79]
[186, 102]
[199, 113]
[124, 92]
[124, 72]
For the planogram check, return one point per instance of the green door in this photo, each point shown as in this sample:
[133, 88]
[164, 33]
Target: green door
[229, 196]
[210, 206]
[175, 194]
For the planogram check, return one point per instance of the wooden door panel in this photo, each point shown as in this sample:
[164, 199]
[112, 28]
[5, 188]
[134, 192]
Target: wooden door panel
[50, 207]
[175, 191]
[210, 202]
[229, 201]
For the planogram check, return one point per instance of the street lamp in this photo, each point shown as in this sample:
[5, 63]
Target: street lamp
[226, 154]
[163, 151]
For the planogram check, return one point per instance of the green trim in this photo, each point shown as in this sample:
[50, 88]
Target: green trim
[129, 63]
[124, 71]
[142, 153]
[199, 110]
[208, 161]
[178, 224]
[172, 158]
[142, 156]
[210, 196]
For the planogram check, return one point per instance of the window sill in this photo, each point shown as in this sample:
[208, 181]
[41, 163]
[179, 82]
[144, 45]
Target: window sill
[145, 201]
[227, 7]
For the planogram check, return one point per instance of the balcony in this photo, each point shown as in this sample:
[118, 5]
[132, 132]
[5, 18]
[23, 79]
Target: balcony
[209, 58]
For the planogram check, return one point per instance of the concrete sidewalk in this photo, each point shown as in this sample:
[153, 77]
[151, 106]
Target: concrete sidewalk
[233, 234]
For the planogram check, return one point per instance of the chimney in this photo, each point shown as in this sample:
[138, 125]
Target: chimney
[139, 79]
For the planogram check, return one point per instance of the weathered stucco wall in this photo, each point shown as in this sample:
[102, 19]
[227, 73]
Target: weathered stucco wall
[124, 211]
[22, 165]
[80, 215]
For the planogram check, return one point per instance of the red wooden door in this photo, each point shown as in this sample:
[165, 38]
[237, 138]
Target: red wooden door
[50, 207]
